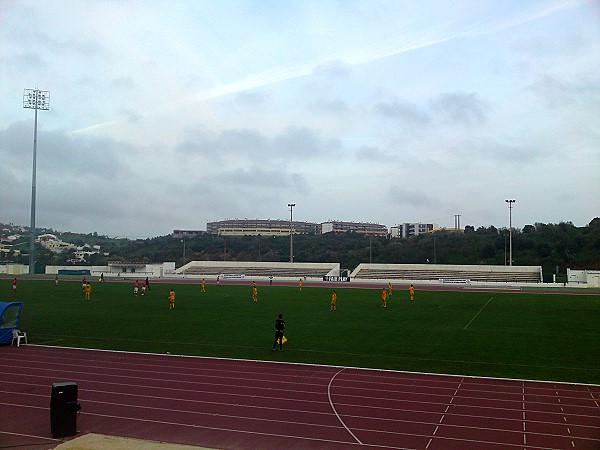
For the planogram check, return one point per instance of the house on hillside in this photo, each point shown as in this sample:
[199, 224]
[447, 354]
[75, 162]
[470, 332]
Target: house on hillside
[52, 243]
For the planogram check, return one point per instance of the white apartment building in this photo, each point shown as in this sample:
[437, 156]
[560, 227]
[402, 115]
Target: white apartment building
[406, 230]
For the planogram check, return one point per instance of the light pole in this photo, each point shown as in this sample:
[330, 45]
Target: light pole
[34, 99]
[505, 250]
[291, 205]
[183, 240]
[510, 206]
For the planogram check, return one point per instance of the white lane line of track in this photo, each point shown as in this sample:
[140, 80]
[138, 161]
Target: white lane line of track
[333, 406]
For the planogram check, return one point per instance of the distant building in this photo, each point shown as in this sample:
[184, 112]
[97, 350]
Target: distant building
[52, 243]
[269, 227]
[334, 226]
[259, 227]
[186, 233]
[5, 251]
[406, 230]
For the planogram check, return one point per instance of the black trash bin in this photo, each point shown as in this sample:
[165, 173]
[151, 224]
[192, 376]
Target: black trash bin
[63, 409]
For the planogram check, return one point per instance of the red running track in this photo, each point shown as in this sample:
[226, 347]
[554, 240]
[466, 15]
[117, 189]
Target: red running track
[230, 404]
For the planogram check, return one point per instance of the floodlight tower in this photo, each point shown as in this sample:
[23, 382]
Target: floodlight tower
[291, 205]
[34, 99]
[510, 206]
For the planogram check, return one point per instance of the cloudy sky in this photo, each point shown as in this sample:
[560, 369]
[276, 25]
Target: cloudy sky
[169, 114]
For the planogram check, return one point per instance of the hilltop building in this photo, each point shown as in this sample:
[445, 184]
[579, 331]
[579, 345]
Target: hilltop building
[187, 233]
[373, 229]
[406, 230]
[54, 244]
[262, 227]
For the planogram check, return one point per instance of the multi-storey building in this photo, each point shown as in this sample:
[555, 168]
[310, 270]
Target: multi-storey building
[335, 226]
[406, 230]
[52, 243]
[186, 233]
[263, 227]
[277, 227]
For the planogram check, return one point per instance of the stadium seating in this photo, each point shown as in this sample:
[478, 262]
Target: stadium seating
[406, 272]
[435, 272]
[259, 269]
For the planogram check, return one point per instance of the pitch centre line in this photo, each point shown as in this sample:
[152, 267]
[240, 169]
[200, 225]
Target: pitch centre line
[478, 312]
[333, 407]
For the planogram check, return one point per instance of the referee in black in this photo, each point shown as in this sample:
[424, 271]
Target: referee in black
[279, 329]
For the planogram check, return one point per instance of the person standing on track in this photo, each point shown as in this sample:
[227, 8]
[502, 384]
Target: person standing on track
[279, 329]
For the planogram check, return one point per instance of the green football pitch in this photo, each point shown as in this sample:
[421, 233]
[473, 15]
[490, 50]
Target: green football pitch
[508, 334]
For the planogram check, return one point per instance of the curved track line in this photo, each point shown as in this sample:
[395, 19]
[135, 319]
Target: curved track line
[333, 407]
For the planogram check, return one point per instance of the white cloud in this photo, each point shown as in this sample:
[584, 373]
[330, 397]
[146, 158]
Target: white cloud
[168, 115]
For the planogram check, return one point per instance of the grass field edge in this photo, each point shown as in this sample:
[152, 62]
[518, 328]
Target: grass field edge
[371, 369]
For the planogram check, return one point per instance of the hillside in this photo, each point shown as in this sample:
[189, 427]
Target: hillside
[553, 246]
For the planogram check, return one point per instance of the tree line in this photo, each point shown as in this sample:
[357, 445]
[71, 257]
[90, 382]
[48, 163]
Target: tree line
[555, 247]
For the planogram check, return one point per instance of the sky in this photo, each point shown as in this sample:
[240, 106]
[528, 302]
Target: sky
[169, 114]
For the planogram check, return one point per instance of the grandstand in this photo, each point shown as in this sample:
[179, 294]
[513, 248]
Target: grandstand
[259, 269]
[449, 273]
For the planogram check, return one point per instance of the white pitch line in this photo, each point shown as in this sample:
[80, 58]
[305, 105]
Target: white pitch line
[333, 407]
[478, 312]
[366, 369]
[49, 342]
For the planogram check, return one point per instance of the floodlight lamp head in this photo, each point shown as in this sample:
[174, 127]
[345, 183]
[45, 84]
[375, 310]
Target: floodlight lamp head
[36, 99]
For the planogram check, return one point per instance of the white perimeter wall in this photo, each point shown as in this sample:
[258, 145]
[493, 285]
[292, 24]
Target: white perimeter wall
[14, 269]
[591, 278]
[150, 270]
